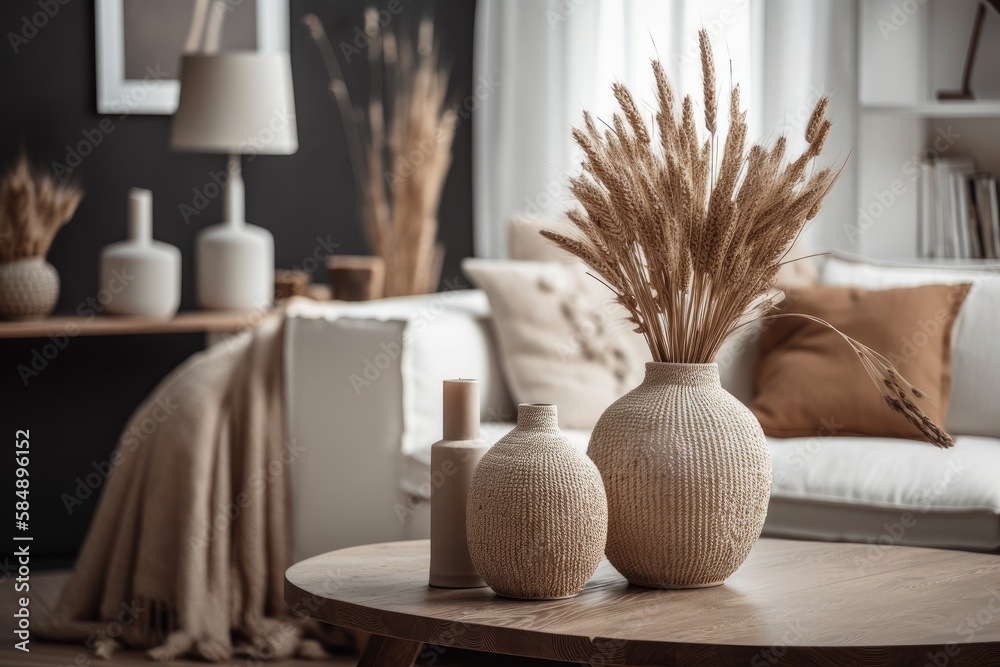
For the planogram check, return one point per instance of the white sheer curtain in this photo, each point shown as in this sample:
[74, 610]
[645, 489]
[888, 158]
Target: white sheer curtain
[554, 58]
[810, 50]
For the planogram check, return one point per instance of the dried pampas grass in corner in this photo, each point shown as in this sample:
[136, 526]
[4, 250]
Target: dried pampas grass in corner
[401, 170]
[689, 243]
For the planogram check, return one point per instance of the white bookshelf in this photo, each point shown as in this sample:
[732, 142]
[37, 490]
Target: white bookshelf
[956, 109]
[900, 70]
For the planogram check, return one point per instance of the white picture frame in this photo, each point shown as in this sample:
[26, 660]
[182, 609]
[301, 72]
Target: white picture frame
[117, 94]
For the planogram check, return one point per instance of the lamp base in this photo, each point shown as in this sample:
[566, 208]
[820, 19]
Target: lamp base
[235, 267]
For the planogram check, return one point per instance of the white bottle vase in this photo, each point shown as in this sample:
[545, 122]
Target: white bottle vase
[141, 276]
[235, 260]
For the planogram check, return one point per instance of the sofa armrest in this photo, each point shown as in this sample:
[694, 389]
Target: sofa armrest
[363, 396]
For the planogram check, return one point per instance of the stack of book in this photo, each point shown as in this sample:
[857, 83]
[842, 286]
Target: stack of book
[959, 214]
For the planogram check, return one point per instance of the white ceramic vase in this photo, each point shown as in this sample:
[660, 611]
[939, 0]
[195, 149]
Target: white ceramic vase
[140, 276]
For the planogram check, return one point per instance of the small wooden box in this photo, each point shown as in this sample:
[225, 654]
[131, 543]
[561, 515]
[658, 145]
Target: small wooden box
[356, 277]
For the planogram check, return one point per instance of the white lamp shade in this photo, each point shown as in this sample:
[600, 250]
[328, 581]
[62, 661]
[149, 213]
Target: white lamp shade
[237, 102]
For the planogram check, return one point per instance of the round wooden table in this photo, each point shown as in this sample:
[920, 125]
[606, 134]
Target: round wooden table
[792, 602]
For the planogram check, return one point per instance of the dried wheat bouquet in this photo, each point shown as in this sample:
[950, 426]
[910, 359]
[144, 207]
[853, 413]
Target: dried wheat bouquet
[33, 207]
[689, 229]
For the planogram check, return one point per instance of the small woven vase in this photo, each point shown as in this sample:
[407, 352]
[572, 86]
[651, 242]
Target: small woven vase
[29, 289]
[537, 516]
[688, 476]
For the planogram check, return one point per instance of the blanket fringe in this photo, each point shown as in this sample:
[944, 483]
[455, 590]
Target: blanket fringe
[105, 647]
[176, 646]
[213, 650]
[311, 649]
[156, 621]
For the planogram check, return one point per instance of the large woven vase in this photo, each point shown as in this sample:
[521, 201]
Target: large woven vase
[537, 516]
[688, 475]
[29, 289]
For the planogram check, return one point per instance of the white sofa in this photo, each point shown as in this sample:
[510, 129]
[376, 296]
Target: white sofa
[363, 385]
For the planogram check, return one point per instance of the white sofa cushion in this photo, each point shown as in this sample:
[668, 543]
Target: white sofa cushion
[452, 339]
[975, 358]
[886, 490]
[344, 482]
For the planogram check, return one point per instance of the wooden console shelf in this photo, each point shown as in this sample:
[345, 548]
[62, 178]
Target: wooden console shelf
[105, 325]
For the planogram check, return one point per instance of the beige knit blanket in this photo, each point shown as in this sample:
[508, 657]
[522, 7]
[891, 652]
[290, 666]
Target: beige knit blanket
[187, 551]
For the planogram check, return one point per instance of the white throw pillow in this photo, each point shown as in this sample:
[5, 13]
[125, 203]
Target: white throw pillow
[562, 338]
[975, 352]
[527, 244]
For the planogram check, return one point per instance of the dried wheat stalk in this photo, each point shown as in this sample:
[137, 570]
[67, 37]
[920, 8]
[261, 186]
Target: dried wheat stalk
[33, 207]
[402, 172]
[689, 247]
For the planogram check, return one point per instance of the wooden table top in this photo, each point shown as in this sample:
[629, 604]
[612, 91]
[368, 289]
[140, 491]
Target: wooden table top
[821, 603]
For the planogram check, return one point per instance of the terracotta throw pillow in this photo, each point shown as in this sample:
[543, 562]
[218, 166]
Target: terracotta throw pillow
[562, 338]
[809, 382]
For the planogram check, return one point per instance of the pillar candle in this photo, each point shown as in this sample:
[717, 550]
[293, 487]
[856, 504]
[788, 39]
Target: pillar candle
[453, 462]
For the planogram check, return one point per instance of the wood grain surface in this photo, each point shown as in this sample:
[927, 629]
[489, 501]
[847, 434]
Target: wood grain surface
[792, 603]
[389, 652]
[207, 321]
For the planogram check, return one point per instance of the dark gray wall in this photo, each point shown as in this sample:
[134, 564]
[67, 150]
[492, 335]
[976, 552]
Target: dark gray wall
[77, 406]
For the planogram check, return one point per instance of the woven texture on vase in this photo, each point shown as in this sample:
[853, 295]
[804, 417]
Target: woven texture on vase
[537, 515]
[688, 476]
[29, 288]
